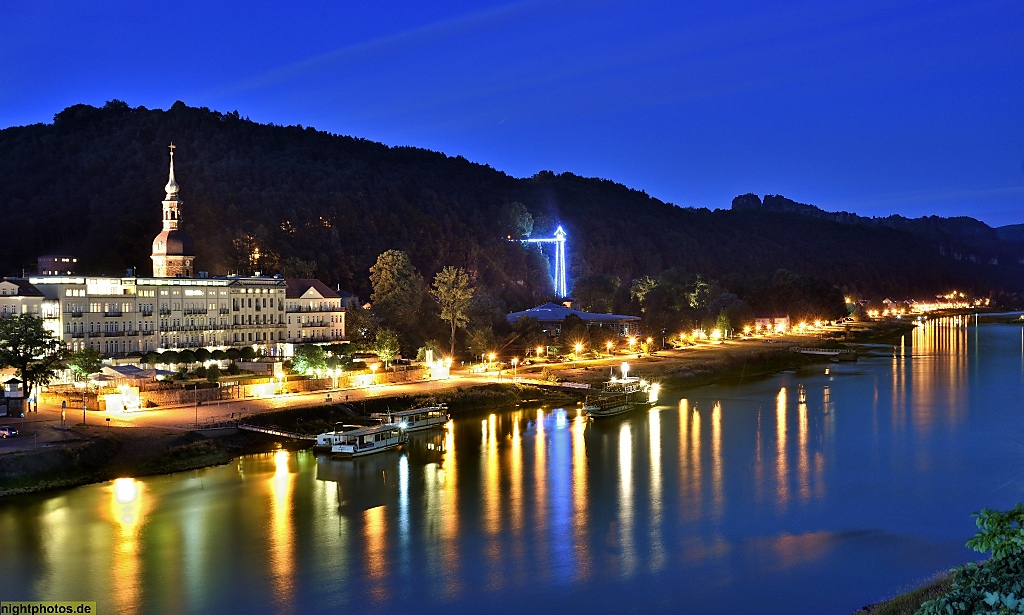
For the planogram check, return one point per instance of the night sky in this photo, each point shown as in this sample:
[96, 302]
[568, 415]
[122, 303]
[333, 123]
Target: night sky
[885, 107]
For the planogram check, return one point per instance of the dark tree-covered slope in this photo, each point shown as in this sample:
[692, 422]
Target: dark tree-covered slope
[311, 203]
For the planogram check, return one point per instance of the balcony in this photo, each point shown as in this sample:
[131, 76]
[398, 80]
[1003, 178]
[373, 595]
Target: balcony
[116, 314]
[165, 311]
[224, 310]
[113, 334]
[193, 311]
[75, 313]
[78, 335]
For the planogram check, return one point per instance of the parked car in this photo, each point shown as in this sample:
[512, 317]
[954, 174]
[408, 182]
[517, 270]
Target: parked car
[8, 432]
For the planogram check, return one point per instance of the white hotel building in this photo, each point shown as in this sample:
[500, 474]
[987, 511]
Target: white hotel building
[173, 309]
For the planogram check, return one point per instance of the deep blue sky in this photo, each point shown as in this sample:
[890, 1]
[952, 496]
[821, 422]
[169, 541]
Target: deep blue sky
[874, 107]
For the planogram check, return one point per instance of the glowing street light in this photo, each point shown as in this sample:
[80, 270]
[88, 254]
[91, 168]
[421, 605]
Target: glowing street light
[608, 345]
[515, 373]
[373, 369]
[625, 369]
[540, 351]
[632, 342]
[490, 359]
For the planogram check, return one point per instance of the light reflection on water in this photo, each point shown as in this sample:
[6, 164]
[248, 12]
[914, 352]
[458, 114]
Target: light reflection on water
[751, 498]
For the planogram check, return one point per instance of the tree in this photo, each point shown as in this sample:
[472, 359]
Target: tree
[641, 287]
[84, 362]
[993, 586]
[387, 345]
[309, 358]
[212, 373]
[453, 293]
[596, 291]
[361, 327]
[31, 350]
[396, 286]
[515, 221]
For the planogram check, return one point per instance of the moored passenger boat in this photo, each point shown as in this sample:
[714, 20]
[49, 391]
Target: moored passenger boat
[366, 440]
[620, 395]
[418, 419]
[325, 441]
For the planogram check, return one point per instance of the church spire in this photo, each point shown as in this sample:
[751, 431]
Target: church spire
[172, 186]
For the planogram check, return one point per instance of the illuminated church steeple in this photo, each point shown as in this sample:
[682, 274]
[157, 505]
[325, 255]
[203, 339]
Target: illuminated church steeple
[173, 255]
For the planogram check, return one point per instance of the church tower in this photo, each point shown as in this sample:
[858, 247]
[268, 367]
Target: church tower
[173, 254]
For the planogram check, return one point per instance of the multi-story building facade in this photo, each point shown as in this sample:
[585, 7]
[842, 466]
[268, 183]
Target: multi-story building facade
[314, 312]
[172, 309]
[116, 316]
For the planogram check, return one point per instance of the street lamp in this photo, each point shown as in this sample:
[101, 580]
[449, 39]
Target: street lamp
[515, 372]
[373, 368]
[540, 351]
[490, 359]
[608, 345]
[632, 342]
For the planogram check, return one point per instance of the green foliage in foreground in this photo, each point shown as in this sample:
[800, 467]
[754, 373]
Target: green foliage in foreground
[995, 586]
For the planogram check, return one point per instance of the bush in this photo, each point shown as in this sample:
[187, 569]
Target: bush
[995, 586]
[233, 369]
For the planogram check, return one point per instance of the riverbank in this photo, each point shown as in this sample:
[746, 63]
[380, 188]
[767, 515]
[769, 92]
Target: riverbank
[94, 453]
[91, 454]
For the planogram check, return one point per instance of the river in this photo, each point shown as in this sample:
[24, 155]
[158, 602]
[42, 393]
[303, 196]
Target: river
[806, 492]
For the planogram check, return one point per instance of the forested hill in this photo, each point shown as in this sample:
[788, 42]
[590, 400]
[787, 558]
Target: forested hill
[317, 204]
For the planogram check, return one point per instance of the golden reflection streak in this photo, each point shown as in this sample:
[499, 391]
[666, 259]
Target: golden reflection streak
[492, 501]
[657, 561]
[580, 520]
[492, 495]
[450, 513]
[375, 535]
[696, 485]
[716, 459]
[781, 463]
[126, 511]
[626, 500]
[282, 562]
[515, 477]
[803, 461]
[684, 422]
[540, 479]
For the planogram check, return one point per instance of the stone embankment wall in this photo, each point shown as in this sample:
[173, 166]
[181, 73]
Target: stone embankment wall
[253, 387]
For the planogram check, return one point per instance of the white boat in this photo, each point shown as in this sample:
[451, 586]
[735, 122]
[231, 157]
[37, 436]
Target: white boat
[325, 441]
[366, 440]
[621, 395]
[417, 419]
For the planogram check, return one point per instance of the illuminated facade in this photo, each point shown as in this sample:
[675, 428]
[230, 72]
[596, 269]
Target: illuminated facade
[172, 309]
[314, 312]
[116, 316]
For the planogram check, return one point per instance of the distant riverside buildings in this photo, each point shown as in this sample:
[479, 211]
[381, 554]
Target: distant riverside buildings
[172, 309]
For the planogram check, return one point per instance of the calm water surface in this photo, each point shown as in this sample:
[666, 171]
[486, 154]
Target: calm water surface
[752, 498]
